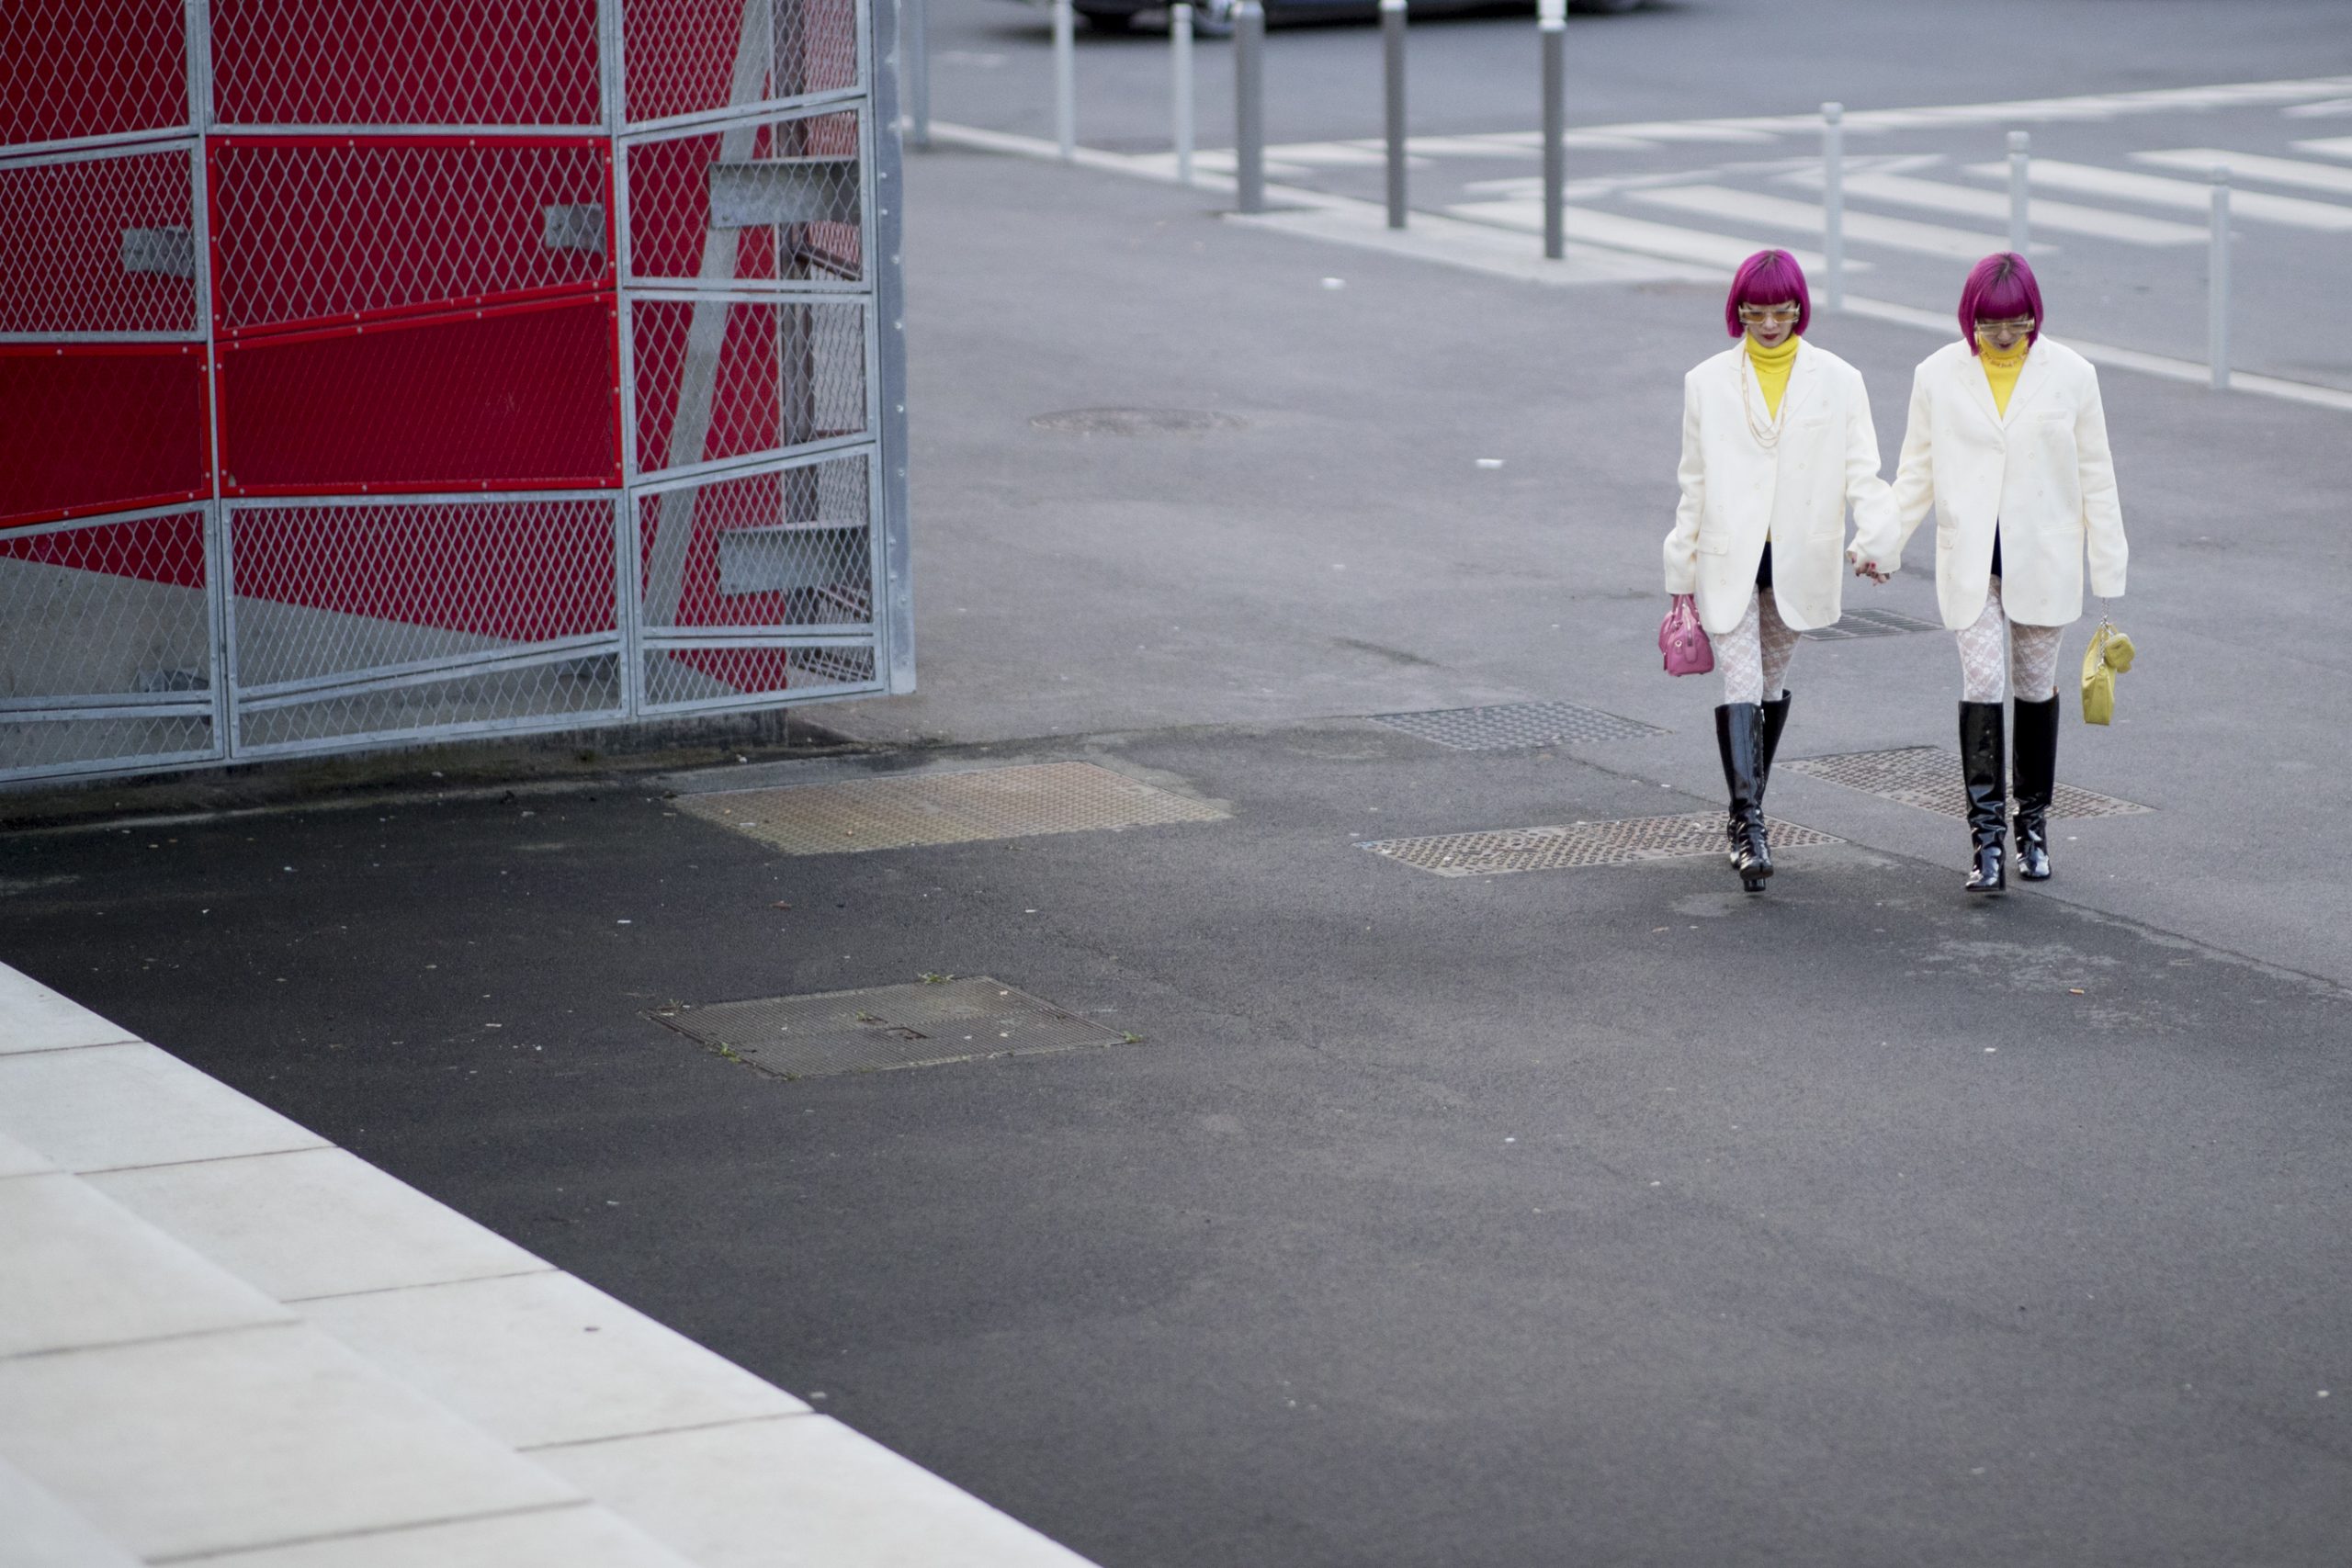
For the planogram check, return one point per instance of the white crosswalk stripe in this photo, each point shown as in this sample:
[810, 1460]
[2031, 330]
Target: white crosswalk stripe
[2253, 166]
[1620, 233]
[1964, 201]
[2328, 147]
[2187, 196]
[1780, 212]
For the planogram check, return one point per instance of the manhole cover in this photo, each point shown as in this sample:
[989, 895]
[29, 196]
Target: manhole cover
[1136, 422]
[1929, 778]
[883, 1027]
[1498, 852]
[1506, 726]
[1872, 623]
[945, 809]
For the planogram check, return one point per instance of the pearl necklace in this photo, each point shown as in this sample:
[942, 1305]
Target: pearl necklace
[1767, 432]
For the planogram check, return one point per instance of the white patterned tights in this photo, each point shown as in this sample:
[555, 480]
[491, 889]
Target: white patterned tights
[2031, 656]
[1754, 655]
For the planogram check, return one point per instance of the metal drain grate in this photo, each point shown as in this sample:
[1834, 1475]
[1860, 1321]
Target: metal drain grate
[1929, 778]
[1506, 726]
[887, 1026]
[1498, 852]
[1871, 622]
[945, 809]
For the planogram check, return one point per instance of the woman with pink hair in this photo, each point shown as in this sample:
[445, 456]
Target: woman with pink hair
[1777, 442]
[2007, 441]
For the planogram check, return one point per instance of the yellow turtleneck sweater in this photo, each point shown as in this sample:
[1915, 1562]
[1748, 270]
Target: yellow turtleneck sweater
[1771, 367]
[2001, 371]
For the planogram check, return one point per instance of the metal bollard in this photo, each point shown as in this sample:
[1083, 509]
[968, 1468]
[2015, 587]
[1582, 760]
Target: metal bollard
[1249, 105]
[1833, 205]
[1392, 53]
[1180, 42]
[2021, 146]
[915, 51]
[1065, 79]
[1552, 29]
[2217, 301]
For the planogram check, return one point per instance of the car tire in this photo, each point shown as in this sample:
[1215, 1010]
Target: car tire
[1109, 21]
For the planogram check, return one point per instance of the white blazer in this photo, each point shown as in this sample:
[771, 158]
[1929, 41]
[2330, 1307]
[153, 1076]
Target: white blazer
[1738, 492]
[2042, 474]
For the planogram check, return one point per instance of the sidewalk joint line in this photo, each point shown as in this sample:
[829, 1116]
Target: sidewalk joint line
[521, 1511]
[215, 1159]
[686, 1427]
[268, 1325]
[81, 1045]
[428, 1284]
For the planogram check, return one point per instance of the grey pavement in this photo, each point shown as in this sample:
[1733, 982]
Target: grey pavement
[1598, 1215]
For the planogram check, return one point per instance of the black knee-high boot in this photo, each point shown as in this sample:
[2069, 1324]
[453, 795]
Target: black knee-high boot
[1740, 736]
[1985, 769]
[1776, 719]
[2034, 736]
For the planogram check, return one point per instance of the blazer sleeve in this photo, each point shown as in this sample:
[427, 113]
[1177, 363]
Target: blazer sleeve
[1913, 490]
[1682, 540]
[2102, 507]
[1871, 497]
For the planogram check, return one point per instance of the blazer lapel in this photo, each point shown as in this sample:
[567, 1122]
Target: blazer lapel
[1971, 370]
[2031, 377]
[1801, 376]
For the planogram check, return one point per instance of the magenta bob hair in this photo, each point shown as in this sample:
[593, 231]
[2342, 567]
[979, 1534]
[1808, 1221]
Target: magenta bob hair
[1768, 277]
[2001, 287]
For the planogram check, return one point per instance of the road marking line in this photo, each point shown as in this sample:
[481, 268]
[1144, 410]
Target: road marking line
[1775, 211]
[2331, 146]
[2187, 196]
[1476, 247]
[1967, 202]
[1700, 247]
[2253, 166]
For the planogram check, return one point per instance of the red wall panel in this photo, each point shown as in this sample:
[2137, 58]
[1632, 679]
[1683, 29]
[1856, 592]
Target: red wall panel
[100, 427]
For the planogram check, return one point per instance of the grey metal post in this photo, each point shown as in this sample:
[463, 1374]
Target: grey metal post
[2020, 150]
[914, 53]
[1250, 105]
[1833, 205]
[1552, 27]
[1392, 50]
[2217, 305]
[1065, 78]
[1180, 37]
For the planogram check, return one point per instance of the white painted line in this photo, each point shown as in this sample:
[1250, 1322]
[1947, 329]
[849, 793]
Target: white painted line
[1780, 212]
[2253, 166]
[1687, 131]
[1474, 247]
[2186, 196]
[41, 1020]
[1722, 253]
[1965, 201]
[2328, 147]
[1601, 138]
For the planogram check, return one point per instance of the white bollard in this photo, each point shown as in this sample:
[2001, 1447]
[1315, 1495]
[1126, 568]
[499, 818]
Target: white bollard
[1833, 204]
[1065, 78]
[1180, 45]
[2217, 302]
[2020, 150]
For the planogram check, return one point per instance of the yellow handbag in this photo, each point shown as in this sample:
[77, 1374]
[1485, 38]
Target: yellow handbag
[2108, 656]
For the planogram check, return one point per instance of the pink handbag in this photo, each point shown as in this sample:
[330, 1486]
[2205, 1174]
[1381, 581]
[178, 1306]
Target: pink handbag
[1683, 641]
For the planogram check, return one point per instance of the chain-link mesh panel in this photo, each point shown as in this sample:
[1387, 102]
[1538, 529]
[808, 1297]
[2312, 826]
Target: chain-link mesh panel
[702, 56]
[406, 62]
[109, 631]
[308, 231]
[759, 201]
[101, 428]
[720, 378]
[76, 68]
[98, 245]
[782, 548]
[529, 696]
[679, 678]
[344, 592]
[520, 398]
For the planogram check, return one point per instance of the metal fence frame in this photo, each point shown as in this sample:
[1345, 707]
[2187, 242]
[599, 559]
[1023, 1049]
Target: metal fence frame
[228, 704]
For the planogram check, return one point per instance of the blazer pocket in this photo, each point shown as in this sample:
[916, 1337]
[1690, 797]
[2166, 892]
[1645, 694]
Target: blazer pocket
[1709, 546]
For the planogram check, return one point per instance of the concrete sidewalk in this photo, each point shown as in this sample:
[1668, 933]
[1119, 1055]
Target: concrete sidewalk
[223, 1339]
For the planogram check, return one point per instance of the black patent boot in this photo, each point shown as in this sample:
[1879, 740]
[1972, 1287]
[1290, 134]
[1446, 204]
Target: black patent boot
[1984, 770]
[2034, 734]
[1740, 736]
[1776, 719]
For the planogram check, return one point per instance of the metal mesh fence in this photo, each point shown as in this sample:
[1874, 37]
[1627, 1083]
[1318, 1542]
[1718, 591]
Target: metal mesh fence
[98, 245]
[373, 372]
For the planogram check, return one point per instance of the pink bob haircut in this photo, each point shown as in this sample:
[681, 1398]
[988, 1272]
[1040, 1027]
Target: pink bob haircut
[1768, 277]
[2001, 287]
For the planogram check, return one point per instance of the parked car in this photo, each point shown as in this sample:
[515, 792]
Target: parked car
[1213, 18]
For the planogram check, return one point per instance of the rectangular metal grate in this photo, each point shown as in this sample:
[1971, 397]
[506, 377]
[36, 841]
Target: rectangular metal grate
[1871, 622]
[1507, 725]
[1929, 778]
[1499, 852]
[945, 809]
[922, 1025]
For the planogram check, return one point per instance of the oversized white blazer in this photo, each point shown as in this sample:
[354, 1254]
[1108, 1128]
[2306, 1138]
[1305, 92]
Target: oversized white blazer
[1737, 493]
[2042, 474]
